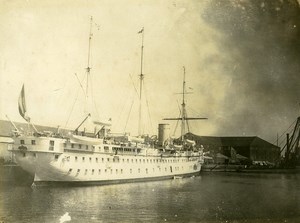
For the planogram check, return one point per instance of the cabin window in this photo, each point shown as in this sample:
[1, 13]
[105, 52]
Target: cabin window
[51, 145]
[105, 170]
[111, 171]
[85, 171]
[106, 148]
[127, 160]
[139, 170]
[22, 142]
[136, 160]
[107, 159]
[93, 171]
[32, 142]
[72, 145]
[24, 154]
[34, 155]
[96, 160]
[79, 146]
[130, 170]
[70, 170]
[146, 170]
[138, 150]
[99, 171]
[121, 171]
[56, 157]
[83, 159]
[86, 147]
[116, 171]
[133, 150]
[90, 159]
[165, 168]
[143, 160]
[78, 170]
[102, 159]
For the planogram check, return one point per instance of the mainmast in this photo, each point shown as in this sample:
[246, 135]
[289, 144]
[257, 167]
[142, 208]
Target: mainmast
[183, 113]
[141, 84]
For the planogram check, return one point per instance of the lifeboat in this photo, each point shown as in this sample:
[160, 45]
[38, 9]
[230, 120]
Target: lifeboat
[86, 140]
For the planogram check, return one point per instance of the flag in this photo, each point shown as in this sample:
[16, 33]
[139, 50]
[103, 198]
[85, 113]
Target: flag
[142, 30]
[22, 105]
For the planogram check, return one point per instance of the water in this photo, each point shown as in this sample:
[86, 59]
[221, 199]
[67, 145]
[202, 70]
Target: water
[218, 197]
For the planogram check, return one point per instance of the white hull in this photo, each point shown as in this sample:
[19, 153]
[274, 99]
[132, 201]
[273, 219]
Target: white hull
[85, 167]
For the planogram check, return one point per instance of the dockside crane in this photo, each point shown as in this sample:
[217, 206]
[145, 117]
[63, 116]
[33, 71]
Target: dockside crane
[291, 149]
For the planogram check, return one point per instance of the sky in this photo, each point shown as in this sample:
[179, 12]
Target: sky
[242, 61]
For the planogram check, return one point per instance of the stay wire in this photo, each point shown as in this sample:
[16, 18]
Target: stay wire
[147, 102]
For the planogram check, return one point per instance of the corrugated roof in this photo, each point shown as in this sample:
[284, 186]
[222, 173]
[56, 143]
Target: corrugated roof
[237, 140]
[241, 141]
[206, 140]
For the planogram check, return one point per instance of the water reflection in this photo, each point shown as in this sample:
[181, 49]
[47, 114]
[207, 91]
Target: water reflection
[210, 197]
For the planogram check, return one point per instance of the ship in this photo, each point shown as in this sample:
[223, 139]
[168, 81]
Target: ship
[99, 157]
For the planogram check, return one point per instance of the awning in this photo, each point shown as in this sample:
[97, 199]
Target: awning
[240, 157]
[6, 140]
[219, 155]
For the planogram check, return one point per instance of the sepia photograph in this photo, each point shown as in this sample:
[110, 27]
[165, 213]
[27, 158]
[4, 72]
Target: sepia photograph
[150, 111]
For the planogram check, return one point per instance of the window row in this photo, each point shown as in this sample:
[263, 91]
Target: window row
[117, 160]
[121, 171]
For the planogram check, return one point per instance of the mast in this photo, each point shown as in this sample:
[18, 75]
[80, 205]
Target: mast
[88, 68]
[184, 119]
[183, 116]
[141, 85]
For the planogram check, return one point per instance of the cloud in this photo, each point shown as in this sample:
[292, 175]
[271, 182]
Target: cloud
[263, 44]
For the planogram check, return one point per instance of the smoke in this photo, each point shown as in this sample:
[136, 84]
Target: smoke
[262, 41]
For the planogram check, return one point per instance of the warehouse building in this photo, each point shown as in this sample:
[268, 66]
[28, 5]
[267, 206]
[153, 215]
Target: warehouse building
[240, 149]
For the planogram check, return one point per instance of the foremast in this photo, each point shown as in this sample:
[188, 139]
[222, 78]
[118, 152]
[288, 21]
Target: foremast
[88, 68]
[88, 91]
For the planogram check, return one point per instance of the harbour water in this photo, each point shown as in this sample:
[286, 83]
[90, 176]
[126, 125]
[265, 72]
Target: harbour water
[210, 197]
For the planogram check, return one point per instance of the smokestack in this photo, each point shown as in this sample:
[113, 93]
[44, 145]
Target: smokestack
[163, 133]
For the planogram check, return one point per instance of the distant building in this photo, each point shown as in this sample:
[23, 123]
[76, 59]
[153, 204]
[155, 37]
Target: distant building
[238, 148]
